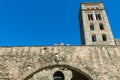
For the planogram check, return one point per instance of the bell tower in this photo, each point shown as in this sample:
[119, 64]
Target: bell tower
[94, 25]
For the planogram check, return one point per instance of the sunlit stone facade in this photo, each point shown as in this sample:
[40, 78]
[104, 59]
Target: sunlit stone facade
[98, 58]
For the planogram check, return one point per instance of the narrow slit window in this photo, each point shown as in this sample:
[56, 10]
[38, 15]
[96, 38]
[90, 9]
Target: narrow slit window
[101, 26]
[104, 37]
[91, 27]
[94, 38]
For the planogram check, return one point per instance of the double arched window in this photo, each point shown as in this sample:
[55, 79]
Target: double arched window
[98, 17]
[90, 16]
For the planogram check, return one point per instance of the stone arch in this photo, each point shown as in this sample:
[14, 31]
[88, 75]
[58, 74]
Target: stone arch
[75, 71]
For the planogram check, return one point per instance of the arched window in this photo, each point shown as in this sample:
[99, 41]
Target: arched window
[91, 27]
[94, 38]
[98, 16]
[101, 26]
[104, 37]
[90, 16]
[58, 75]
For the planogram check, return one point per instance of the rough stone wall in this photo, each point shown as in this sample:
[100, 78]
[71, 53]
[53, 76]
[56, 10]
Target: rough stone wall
[23, 63]
[117, 41]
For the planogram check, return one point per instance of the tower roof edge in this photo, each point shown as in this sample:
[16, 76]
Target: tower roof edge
[91, 2]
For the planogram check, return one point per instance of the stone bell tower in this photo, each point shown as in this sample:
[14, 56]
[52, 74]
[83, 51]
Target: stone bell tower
[95, 27]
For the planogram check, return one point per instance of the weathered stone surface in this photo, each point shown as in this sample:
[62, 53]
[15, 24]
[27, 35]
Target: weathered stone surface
[96, 62]
[117, 41]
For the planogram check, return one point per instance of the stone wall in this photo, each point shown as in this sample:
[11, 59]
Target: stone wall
[117, 41]
[27, 63]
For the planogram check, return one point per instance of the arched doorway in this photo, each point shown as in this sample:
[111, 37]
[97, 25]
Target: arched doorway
[58, 75]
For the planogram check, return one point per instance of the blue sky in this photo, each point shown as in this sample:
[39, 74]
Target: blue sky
[45, 22]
